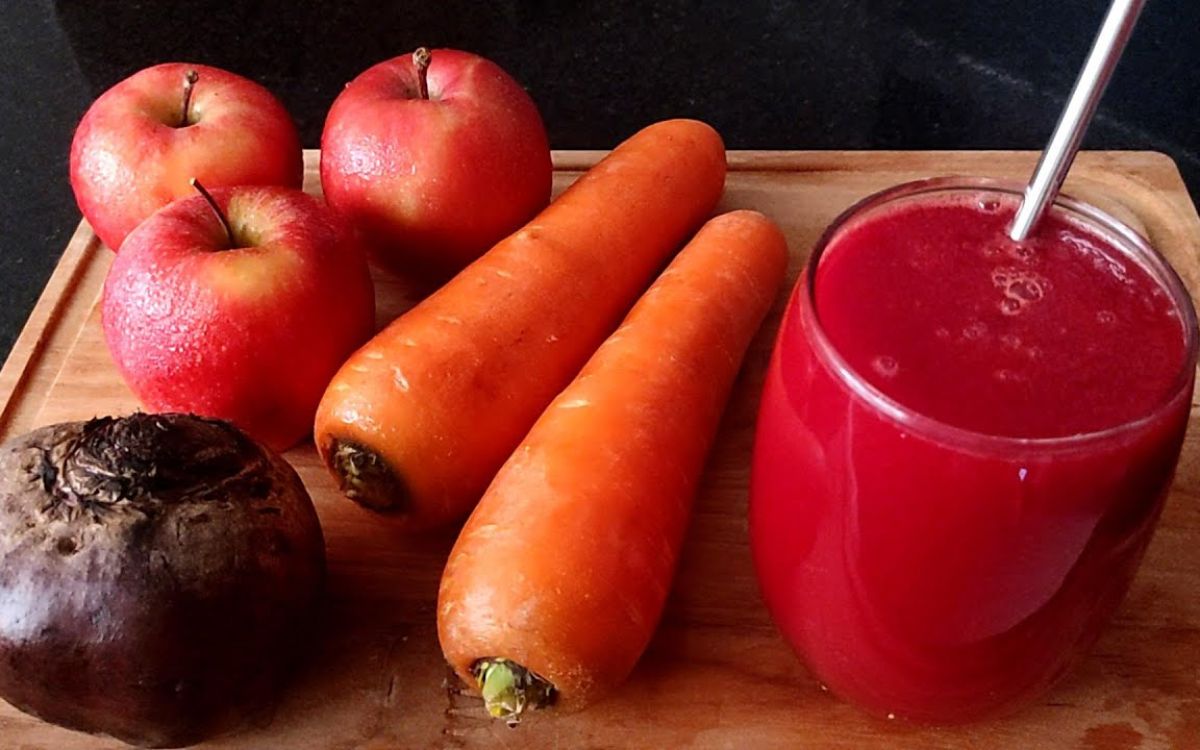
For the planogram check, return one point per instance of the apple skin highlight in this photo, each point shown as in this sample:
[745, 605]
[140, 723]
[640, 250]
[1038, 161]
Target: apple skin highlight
[250, 333]
[435, 182]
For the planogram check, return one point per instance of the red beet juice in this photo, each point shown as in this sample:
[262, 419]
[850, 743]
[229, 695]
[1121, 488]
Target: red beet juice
[963, 446]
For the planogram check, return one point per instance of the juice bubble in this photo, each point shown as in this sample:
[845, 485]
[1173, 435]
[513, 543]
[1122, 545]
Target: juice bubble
[921, 259]
[1106, 317]
[1029, 290]
[1020, 287]
[1022, 251]
[1099, 259]
[975, 331]
[988, 205]
[1077, 244]
[1005, 375]
[1020, 284]
[1113, 267]
[942, 332]
[1010, 340]
[886, 366]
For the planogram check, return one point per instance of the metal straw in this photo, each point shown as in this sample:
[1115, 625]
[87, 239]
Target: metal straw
[1068, 134]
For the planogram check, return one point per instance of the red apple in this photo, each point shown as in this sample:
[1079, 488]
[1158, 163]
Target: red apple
[142, 140]
[436, 156]
[242, 309]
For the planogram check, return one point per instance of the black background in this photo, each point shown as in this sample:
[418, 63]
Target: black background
[768, 74]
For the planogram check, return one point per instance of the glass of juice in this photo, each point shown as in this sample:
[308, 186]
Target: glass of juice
[964, 444]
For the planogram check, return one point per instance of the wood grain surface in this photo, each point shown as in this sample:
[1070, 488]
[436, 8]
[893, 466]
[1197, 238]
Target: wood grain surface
[717, 674]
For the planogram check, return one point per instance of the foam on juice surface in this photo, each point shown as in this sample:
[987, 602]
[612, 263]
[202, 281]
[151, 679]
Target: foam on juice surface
[932, 303]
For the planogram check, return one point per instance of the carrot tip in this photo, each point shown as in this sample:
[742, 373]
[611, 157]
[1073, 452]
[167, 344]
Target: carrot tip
[364, 477]
[508, 688]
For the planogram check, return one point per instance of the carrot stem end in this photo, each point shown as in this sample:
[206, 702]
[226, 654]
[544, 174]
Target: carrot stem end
[366, 478]
[508, 689]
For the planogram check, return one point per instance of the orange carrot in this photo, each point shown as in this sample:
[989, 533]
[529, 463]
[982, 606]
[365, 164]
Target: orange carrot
[417, 422]
[559, 577]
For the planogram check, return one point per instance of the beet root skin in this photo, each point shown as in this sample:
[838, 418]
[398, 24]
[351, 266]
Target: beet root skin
[159, 576]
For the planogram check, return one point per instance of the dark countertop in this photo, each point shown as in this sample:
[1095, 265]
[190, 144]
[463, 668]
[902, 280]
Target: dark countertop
[856, 74]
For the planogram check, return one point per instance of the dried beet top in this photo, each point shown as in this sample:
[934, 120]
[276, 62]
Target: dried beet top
[158, 575]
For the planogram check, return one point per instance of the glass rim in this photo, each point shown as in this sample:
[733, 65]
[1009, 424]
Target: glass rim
[1129, 241]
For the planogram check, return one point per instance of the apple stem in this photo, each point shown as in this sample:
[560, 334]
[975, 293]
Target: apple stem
[421, 58]
[189, 83]
[212, 203]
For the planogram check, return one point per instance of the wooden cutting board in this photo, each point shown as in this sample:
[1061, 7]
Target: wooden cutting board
[717, 674]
